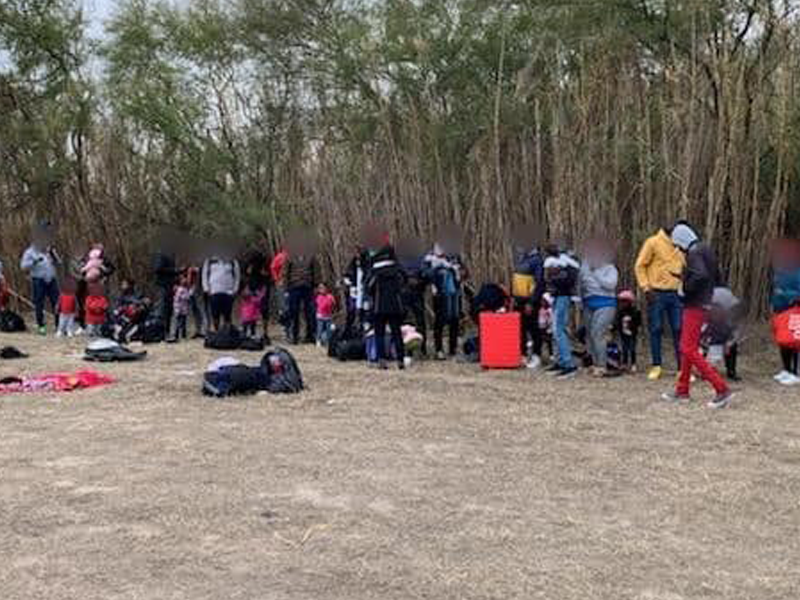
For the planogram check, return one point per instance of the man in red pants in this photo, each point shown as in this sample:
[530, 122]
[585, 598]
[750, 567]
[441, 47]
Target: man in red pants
[700, 277]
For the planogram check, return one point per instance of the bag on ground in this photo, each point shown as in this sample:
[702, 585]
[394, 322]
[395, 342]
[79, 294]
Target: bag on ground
[11, 322]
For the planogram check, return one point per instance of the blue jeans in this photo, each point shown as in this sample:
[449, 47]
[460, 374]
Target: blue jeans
[669, 304]
[301, 301]
[324, 330]
[43, 291]
[561, 327]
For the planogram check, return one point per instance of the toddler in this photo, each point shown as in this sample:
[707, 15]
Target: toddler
[326, 305]
[67, 310]
[181, 306]
[253, 297]
[96, 308]
[628, 322]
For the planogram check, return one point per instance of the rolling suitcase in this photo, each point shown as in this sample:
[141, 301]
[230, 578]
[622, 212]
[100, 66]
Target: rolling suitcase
[500, 340]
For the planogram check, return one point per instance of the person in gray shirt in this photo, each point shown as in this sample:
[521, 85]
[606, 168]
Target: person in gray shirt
[40, 262]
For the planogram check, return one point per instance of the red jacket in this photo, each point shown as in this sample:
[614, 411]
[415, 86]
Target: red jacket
[96, 307]
[277, 265]
[67, 304]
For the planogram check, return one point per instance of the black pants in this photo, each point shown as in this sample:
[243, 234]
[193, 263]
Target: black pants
[789, 358]
[44, 291]
[731, 358]
[221, 306]
[165, 295]
[443, 318]
[395, 323]
[628, 343]
[529, 321]
[301, 300]
[414, 301]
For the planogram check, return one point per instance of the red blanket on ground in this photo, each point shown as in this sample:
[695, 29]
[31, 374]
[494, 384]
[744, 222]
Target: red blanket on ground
[55, 382]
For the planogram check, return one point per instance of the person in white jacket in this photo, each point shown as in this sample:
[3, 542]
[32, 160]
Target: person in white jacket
[221, 280]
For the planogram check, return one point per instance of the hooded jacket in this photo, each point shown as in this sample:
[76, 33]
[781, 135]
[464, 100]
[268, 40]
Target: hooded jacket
[659, 264]
[785, 289]
[385, 282]
[529, 268]
[701, 274]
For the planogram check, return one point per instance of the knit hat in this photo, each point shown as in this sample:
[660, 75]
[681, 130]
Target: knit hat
[684, 236]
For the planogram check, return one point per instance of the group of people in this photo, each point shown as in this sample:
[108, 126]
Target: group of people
[387, 286]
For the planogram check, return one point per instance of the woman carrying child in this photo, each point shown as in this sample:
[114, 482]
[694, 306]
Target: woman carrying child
[445, 269]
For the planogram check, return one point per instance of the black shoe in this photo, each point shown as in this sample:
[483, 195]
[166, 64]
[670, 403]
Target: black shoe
[401, 365]
[382, 365]
[567, 373]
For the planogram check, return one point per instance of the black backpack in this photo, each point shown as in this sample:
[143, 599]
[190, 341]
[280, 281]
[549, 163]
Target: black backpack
[11, 322]
[283, 374]
[227, 338]
[149, 332]
[345, 347]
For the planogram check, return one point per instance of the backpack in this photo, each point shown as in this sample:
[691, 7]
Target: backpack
[235, 380]
[786, 328]
[149, 332]
[283, 374]
[227, 338]
[346, 347]
[11, 322]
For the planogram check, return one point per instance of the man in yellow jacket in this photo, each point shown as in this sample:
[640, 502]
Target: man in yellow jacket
[659, 268]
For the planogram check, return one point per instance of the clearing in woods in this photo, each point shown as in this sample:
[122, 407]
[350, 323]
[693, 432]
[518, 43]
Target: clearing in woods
[441, 482]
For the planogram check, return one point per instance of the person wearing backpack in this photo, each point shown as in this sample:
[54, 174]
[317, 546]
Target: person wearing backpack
[221, 281]
[527, 288]
[446, 272]
[40, 261]
[385, 283]
[786, 295]
[411, 257]
[700, 277]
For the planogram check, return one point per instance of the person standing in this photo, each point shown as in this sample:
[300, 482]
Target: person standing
[658, 273]
[598, 286]
[527, 288]
[700, 277]
[411, 257]
[385, 283]
[446, 272]
[302, 276]
[165, 276]
[40, 261]
[561, 275]
[786, 295]
[221, 281]
[277, 271]
[355, 302]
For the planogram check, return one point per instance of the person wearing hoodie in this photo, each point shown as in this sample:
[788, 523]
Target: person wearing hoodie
[527, 288]
[700, 277]
[40, 261]
[446, 272]
[385, 282]
[411, 256]
[561, 275]
[302, 275]
[658, 273]
[221, 279]
[785, 295]
[598, 290]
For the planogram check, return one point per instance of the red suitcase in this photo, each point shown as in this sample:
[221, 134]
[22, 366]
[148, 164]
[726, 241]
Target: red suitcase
[500, 340]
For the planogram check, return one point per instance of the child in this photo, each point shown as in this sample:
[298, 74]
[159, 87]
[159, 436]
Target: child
[181, 307]
[250, 308]
[325, 303]
[96, 307]
[94, 267]
[129, 311]
[629, 320]
[67, 309]
[546, 323]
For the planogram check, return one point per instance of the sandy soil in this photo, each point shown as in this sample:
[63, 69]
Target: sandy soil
[443, 482]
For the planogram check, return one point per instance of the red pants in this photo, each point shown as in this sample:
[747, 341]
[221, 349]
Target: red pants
[691, 358]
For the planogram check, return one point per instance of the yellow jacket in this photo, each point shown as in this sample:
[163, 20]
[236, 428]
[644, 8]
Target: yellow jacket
[660, 264]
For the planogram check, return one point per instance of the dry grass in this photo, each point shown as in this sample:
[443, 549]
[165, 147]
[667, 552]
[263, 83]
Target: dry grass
[442, 482]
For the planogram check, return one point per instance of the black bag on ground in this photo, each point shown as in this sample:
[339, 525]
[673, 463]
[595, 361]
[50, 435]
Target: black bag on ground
[252, 344]
[227, 338]
[235, 380]
[11, 322]
[149, 332]
[283, 374]
[346, 347]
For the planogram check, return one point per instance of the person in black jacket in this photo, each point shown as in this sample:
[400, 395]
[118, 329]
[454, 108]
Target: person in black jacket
[411, 255]
[700, 276]
[165, 276]
[385, 283]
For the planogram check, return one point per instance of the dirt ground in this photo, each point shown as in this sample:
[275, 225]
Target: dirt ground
[442, 482]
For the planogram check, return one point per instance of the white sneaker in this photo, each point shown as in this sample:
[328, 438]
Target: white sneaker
[790, 380]
[534, 362]
[59, 334]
